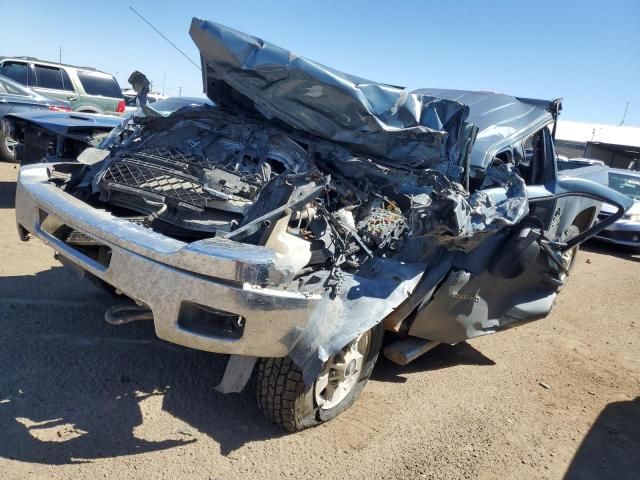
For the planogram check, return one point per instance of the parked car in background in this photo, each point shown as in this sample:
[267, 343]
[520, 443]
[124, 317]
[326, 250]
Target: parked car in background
[172, 104]
[130, 99]
[625, 231]
[62, 136]
[16, 98]
[55, 136]
[565, 163]
[85, 88]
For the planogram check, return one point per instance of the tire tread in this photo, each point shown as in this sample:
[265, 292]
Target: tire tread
[279, 383]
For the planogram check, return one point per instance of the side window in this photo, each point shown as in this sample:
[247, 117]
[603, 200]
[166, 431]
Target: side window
[99, 84]
[52, 77]
[524, 158]
[66, 81]
[48, 77]
[534, 158]
[16, 71]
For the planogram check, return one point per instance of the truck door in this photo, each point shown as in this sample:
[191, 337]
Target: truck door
[514, 276]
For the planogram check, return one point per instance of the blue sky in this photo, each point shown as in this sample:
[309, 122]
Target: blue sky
[587, 52]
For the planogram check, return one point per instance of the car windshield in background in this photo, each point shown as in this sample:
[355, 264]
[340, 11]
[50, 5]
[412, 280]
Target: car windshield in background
[627, 184]
[169, 105]
[99, 84]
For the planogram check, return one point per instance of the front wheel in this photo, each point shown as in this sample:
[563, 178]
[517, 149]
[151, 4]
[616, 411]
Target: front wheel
[568, 258]
[7, 148]
[281, 390]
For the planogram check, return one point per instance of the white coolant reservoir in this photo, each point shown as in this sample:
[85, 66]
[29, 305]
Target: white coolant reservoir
[290, 249]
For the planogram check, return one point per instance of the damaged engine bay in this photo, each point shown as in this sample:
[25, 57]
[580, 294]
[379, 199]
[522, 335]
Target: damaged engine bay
[328, 170]
[209, 173]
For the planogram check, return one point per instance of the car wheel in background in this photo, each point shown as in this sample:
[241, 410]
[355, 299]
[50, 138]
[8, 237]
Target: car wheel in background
[7, 148]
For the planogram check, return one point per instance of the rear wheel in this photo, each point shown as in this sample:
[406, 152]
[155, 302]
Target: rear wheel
[281, 390]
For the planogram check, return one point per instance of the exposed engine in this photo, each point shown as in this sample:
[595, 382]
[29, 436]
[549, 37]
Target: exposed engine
[211, 173]
[199, 176]
[207, 172]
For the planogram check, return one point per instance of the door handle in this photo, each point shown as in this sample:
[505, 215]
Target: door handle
[71, 98]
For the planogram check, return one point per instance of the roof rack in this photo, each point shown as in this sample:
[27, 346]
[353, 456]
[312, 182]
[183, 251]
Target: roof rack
[34, 59]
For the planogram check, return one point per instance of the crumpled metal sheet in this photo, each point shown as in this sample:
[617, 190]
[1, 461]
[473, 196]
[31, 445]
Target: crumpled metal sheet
[498, 117]
[460, 221]
[362, 301]
[389, 126]
[64, 123]
[246, 73]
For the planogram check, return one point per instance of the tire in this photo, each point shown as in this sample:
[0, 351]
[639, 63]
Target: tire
[7, 154]
[568, 258]
[281, 391]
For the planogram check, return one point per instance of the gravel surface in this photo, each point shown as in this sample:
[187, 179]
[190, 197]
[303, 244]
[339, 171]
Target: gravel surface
[82, 399]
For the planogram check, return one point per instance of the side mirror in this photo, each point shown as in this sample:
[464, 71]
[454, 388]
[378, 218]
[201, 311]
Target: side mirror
[139, 82]
[519, 251]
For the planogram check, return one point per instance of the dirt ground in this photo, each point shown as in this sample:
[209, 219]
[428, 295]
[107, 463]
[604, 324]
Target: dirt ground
[558, 398]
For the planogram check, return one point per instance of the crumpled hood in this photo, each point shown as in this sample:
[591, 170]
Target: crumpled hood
[64, 122]
[249, 75]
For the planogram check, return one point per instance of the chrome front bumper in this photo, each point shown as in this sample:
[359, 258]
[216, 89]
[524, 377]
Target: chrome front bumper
[164, 273]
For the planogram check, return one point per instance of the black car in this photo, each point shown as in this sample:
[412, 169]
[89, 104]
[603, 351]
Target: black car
[16, 98]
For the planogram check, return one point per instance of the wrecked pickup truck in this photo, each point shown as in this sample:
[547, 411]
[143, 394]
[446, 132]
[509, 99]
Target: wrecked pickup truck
[310, 212]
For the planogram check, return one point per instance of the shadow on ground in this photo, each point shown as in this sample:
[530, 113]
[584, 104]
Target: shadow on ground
[626, 253]
[7, 194]
[611, 448]
[443, 356]
[71, 385]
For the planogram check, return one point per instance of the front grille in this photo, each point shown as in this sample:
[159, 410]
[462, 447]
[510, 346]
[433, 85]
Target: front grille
[138, 175]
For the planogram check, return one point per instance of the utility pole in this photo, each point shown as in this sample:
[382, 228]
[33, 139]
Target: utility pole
[179, 91]
[164, 79]
[60, 54]
[624, 115]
